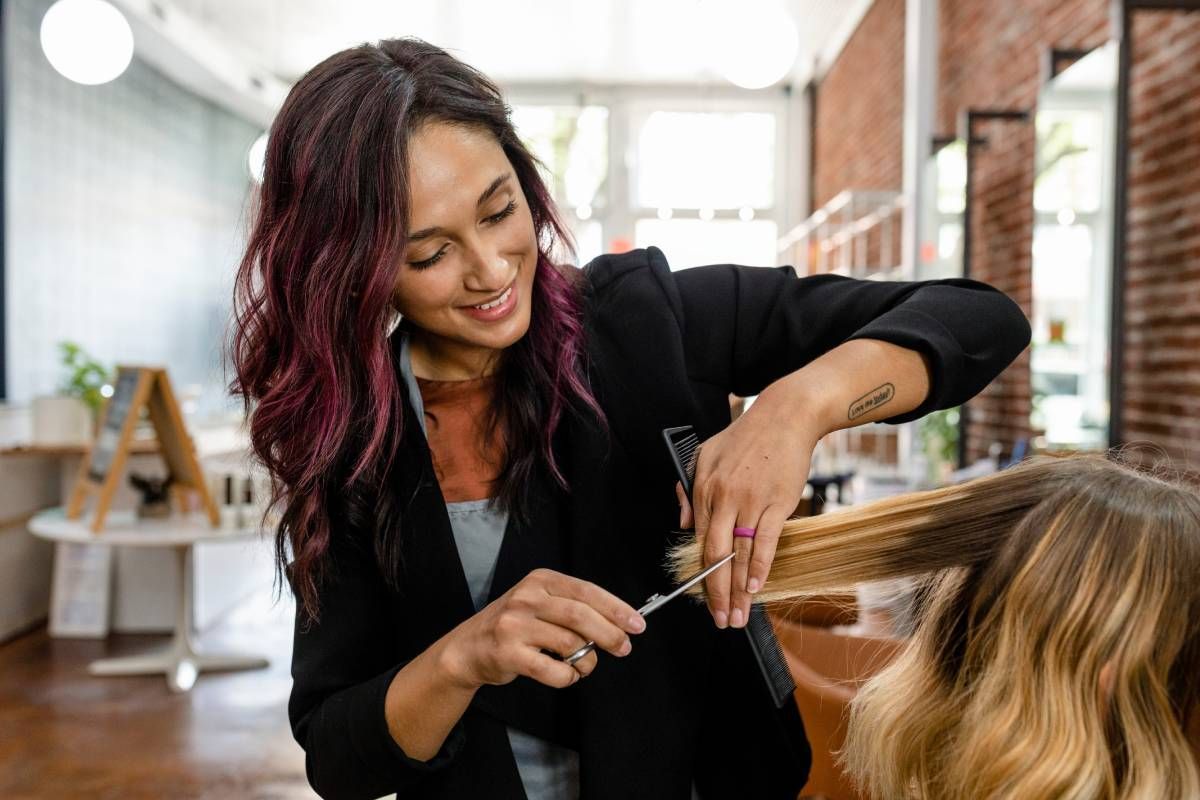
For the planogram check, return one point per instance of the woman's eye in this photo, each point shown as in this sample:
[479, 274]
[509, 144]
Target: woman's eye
[508, 209]
[429, 262]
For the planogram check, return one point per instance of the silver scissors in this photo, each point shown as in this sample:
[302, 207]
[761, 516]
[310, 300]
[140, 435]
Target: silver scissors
[657, 601]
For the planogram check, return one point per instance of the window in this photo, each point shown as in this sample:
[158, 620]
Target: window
[704, 185]
[572, 144]
[695, 160]
[697, 176]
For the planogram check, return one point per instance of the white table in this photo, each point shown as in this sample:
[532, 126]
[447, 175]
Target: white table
[180, 661]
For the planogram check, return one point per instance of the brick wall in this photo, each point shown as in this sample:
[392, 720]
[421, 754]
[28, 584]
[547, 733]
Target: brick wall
[1162, 288]
[860, 109]
[989, 56]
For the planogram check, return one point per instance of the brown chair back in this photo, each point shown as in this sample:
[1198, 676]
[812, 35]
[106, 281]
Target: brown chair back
[828, 669]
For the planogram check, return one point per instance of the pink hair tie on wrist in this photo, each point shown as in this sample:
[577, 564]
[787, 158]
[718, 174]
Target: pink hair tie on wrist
[743, 533]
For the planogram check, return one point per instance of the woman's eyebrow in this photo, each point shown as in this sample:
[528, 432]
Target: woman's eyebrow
[425, 233]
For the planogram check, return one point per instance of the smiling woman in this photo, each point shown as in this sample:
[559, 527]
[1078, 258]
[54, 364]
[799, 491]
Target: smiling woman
[339, 285]
[442, 220]
[463, 437]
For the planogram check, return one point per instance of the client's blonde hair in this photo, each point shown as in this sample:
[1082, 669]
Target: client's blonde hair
[1057, 652]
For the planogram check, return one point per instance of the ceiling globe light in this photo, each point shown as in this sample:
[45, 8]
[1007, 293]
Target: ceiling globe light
[87, 41]
[752, 43]
[256, 158]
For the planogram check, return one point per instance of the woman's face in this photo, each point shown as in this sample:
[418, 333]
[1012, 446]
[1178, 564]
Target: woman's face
[470, 241]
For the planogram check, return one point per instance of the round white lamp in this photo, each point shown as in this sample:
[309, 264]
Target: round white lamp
[87, 41]
[753, 43]
[256, 158]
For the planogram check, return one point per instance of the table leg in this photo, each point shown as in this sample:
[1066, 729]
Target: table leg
[180, 661]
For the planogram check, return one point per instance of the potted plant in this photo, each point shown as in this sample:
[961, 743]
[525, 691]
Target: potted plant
[69, 417]
[938, 435]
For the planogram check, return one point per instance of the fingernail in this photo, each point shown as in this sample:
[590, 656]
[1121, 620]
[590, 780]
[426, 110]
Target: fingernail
[722, 620]
[753, 586]
[736, 618]
[636, 623]
[625, 648]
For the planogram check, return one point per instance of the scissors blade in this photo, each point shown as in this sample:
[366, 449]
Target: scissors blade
[657, 601]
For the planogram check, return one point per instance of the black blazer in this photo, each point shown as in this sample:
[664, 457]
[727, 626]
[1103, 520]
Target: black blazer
[689, 703]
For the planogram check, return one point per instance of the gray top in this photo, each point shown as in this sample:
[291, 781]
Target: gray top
[548, 772]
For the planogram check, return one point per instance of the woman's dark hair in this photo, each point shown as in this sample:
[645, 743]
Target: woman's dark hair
[314, 296]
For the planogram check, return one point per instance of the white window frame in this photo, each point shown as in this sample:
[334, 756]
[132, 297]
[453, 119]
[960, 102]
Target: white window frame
[625, 102]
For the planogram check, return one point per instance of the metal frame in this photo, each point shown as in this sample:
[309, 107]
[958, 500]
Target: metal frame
[937, 143]
[1054, 57]
[1056, 62]
[966, 131]
[1122, 12]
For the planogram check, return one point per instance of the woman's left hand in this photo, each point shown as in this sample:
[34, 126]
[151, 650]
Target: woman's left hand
[752, 475]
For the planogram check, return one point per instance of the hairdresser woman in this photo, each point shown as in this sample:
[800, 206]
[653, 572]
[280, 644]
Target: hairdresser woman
[409, 352]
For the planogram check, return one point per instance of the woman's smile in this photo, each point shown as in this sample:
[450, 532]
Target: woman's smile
[496, 309]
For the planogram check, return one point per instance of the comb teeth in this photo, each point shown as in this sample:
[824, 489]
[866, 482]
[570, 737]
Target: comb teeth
[689, 450]
[684, 445]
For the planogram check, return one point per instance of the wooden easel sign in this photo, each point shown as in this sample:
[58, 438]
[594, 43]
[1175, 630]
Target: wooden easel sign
[134, 389]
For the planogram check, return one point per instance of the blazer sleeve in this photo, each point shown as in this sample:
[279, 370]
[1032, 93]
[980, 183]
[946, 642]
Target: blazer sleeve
[745, 327]
[342, 665]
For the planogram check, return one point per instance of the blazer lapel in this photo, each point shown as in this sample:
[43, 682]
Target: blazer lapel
[524, 703]
[434, 586]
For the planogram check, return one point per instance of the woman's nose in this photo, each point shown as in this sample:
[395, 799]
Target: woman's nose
[490, 270]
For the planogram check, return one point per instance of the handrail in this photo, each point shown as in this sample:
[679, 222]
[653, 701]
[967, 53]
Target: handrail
[845, 225]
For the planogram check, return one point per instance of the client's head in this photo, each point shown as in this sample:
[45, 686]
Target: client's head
[1057, 652]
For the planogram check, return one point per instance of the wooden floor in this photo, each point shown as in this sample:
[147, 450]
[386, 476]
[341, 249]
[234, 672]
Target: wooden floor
[65, 734]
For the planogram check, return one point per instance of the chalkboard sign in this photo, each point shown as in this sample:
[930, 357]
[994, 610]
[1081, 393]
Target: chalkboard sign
[116, 414]
[136, 388]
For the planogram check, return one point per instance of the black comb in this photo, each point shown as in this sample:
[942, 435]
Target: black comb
[684, 446]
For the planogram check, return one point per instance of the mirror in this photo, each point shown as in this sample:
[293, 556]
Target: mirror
[1072, 258]
[941, 222]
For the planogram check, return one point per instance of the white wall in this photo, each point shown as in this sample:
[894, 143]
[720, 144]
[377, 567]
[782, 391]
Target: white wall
[124, 221]
[124, 218]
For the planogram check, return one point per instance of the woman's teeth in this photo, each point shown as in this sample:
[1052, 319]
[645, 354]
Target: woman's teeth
[498, 301]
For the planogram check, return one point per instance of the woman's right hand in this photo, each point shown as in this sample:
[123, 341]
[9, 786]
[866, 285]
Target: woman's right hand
[545, 611]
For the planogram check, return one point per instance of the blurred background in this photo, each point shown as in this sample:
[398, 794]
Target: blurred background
[1047, 147]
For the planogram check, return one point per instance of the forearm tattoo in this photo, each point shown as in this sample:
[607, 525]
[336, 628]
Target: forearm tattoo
[871, 400]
